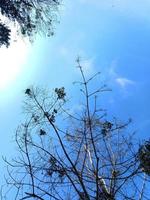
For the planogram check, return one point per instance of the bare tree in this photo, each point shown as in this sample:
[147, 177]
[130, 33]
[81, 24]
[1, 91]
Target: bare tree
[82, 154]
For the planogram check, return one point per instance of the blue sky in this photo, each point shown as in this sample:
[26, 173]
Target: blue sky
[111, 36]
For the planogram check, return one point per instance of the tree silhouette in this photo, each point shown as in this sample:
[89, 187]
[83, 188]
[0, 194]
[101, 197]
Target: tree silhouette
[4, 35]
[29, 16]
[82, 154]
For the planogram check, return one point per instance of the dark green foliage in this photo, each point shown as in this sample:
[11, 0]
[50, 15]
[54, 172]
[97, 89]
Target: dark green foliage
[144, 157]
[60, 93]
[4, 35]
[106, 128]
[42, 132]
[28, 91]
[31, 16]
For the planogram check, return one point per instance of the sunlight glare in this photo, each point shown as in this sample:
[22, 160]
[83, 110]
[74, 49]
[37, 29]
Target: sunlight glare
[12, 60]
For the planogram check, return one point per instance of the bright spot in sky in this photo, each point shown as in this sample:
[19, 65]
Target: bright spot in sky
[12, 60]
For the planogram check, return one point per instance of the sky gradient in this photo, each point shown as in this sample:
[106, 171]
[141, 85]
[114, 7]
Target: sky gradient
[110, 36]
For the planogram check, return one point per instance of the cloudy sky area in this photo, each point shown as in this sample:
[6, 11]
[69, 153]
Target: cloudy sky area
[111, 36]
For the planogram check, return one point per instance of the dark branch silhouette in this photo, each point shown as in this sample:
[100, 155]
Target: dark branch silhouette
[82, 155]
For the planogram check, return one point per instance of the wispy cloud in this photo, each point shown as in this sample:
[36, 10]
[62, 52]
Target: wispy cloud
[88, 66]
[116, 78]
[123, 82]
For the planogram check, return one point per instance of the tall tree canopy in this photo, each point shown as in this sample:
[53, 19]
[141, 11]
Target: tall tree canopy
[29, 16]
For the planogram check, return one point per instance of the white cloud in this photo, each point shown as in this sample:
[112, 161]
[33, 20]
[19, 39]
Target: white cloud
[114, 76]
[123, 82]
[112, 68]
[88, 66]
